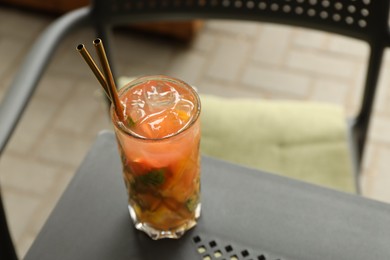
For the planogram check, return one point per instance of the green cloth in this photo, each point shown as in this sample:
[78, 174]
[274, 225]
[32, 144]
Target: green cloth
[302, 140]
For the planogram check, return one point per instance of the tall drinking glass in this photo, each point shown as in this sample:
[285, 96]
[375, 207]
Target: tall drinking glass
[159, 147]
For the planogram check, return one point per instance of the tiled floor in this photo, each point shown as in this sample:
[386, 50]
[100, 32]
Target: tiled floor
[237, 59]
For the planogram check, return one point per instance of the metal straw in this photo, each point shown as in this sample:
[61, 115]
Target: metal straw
[91, 63]
[109, 78]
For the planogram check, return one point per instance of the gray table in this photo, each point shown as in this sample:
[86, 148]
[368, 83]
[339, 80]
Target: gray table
[246, 214]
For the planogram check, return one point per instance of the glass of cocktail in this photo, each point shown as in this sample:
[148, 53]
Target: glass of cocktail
[158, 141]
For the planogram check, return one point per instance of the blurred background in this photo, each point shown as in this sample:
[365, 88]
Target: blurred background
[240, 59]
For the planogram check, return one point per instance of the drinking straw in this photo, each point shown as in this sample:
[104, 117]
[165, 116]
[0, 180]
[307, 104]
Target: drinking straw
[91, 63]
[109, 78]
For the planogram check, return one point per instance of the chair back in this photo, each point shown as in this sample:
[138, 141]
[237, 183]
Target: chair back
[365, 20]
[7, 250]
[361, 19]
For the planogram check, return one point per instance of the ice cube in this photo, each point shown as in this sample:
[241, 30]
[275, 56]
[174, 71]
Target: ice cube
[159, 125]
[184, 110]
[137, 114]
[161, 96]
[152, 125]
[135, 109]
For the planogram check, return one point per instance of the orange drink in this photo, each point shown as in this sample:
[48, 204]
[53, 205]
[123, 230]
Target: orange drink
[159, 147]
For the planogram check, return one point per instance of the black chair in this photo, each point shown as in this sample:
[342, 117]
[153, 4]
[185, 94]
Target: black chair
[364, 20]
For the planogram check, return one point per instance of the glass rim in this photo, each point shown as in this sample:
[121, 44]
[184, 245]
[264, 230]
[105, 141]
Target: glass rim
[142, 79]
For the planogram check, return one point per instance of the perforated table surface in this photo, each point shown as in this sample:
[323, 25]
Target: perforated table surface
[246, 214]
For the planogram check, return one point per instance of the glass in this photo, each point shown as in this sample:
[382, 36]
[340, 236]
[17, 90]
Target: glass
[159, 148]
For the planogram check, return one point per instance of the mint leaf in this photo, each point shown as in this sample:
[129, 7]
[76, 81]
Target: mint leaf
[130, 121]
[153, 178]
[191, 204]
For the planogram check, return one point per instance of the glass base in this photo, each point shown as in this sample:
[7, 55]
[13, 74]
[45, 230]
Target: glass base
[158, 234]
